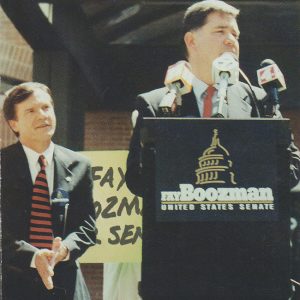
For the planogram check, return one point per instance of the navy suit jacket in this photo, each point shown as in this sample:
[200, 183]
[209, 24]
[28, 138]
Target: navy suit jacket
[72, 174]
[240, 105]
[204, 248]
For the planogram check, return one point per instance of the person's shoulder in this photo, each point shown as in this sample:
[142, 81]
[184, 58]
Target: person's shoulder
[67, 154]
[10, 150]
[259, 92]
[151, 99]
[153, 94]
[10, 156]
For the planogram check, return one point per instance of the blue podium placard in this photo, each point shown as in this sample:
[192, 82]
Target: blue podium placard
[217, 170]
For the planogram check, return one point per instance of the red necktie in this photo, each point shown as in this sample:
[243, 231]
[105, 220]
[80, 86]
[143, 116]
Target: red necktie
[207, 102]
[41, 232]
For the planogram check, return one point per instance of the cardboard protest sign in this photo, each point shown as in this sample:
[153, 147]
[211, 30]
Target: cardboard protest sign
[118, 212]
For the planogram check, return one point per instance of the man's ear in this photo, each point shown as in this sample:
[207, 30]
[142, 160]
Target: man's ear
[14, 125]
[189, 40]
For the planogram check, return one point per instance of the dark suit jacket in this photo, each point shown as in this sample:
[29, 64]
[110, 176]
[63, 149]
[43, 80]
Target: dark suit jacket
[71, 174]
[209, 265]
[241, 105]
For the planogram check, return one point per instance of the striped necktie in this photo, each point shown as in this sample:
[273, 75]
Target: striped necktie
[207, 102]
[41, 232]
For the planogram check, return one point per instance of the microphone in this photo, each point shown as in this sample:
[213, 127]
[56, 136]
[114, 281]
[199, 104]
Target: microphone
[271, 79]
[178, 80]
[60, 204]
[225, 71]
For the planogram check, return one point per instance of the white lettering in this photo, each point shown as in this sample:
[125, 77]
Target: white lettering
[265, 194]
[240, 194]
[211, 194]
[253, 193]
[223, 194]
[187, 192]
[199, 194]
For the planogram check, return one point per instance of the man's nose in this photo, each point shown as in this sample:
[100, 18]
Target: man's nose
[42, 114]
[230, 39]
[232, 43]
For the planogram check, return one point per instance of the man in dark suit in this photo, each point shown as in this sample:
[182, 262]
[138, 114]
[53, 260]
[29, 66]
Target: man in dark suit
[210, 29]
[47, 211]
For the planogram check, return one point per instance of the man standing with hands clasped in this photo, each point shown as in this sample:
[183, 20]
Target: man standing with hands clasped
[47, 211]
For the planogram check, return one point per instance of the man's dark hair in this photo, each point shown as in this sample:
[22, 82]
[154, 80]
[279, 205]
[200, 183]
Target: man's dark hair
[195, 15]
[18, 94]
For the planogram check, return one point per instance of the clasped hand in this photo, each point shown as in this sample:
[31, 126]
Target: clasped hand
[46, 260]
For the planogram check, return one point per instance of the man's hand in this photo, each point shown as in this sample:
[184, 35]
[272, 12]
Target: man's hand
[45, 261]
[42, 263]
[60, 251]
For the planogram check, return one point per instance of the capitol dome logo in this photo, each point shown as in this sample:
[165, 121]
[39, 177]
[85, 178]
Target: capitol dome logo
[215, 165]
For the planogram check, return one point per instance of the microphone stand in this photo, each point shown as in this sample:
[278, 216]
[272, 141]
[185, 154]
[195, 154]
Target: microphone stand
[222, 94]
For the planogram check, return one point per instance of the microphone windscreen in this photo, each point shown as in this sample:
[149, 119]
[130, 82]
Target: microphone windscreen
[267, 62]
[270, 75]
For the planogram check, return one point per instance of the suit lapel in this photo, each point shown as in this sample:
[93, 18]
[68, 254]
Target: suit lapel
[63, 176]
[238, 106]
[189, 106]
[21, 169]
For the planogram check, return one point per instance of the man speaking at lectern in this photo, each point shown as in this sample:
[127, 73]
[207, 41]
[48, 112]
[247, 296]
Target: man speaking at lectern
[210, 31]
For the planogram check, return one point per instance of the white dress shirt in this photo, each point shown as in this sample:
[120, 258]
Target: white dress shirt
[34, 167]
[199, 88]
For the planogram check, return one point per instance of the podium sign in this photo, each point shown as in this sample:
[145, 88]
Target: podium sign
[216, 209]
[217, 170]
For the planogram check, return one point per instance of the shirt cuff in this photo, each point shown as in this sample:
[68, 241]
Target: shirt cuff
[32, 264]
[68, 255]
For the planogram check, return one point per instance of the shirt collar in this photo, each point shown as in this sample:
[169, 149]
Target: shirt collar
[199, 87]
[33, 156]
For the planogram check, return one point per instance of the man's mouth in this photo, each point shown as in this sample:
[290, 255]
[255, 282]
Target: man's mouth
[43, 126]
